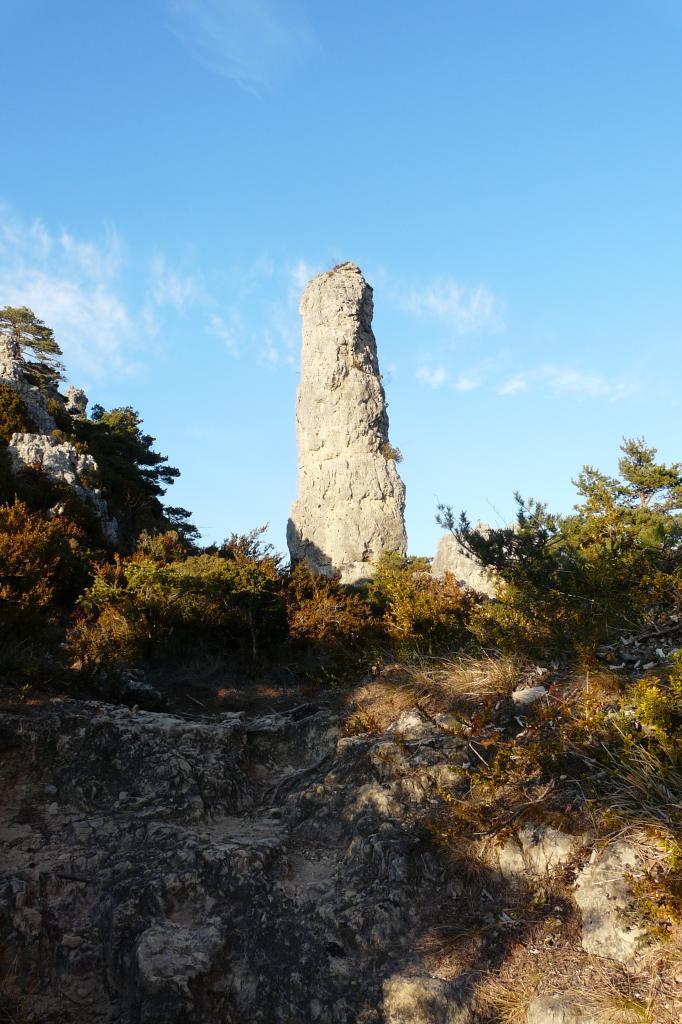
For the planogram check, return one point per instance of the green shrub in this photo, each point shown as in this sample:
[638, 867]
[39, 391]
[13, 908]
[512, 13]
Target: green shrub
[391, 453]
[132, 476]
[566, 582]
[421, 613]
[139, 608]
[63, 421]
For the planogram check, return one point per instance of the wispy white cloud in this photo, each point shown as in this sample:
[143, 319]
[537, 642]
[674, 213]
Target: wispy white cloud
[570, 382]
[251, 42]
[273, 334]
[171, 288]
[514, 385]
[433, 378]
[584, 384]
[100, 261]
[464, 309]
[301, 272]
[227, 329]
[71, 285]
[467, 382]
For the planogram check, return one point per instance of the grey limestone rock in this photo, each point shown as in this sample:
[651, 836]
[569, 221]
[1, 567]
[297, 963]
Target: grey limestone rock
[536, 850]
[76, 401]
[61, 461]
[453, 558]
[245, 869]
[351, 500]
[604, 895]
[559, 1008]
[220, 870]
[13, 373]
[423, 1000]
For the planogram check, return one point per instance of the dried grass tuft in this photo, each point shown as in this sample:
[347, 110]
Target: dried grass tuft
[508, 998]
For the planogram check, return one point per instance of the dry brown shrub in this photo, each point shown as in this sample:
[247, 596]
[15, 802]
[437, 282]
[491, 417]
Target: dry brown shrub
[436, 685]
[330, 618]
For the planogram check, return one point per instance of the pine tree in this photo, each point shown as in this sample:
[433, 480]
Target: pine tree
[35, 341]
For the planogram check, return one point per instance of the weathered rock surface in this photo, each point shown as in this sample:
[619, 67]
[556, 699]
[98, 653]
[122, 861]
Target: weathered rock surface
[58, 459]
[606, 902]
[351, 500]
[13, 373]
[419, 1000]
[76, 401]
[535, 851]
[62, 462]
[453, 558]
[160, 868]
[557, 1009]
[235, 869]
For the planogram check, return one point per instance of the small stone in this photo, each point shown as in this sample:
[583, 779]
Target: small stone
[413, 725]
[526, 696]
[71, 941]
[50, 790]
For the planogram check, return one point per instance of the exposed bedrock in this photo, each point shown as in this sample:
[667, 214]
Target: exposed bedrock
[240, 869]
[13, 373]
[351, 500]
[62, 462]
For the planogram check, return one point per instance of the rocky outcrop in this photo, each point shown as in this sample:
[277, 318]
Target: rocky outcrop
[62, 462]
[157, 867]
[351, 500]
[76, 401]
[268, 869]
[13, 373]
[452, 557]
[59, 460]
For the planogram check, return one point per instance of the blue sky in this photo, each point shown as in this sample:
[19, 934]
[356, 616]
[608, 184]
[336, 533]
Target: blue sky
[506, 173]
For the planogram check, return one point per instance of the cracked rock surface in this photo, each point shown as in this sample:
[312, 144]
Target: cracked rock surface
[159, 868]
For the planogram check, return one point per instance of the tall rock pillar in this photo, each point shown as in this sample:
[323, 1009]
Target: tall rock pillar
[351, 501]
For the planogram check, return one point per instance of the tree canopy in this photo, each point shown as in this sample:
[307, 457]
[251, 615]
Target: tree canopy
[573, 578]
[36, 343]
[132, 475]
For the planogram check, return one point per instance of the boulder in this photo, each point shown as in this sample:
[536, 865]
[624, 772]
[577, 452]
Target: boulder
[452, 557]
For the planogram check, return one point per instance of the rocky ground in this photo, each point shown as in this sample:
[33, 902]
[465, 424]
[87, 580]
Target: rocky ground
[289, 867]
